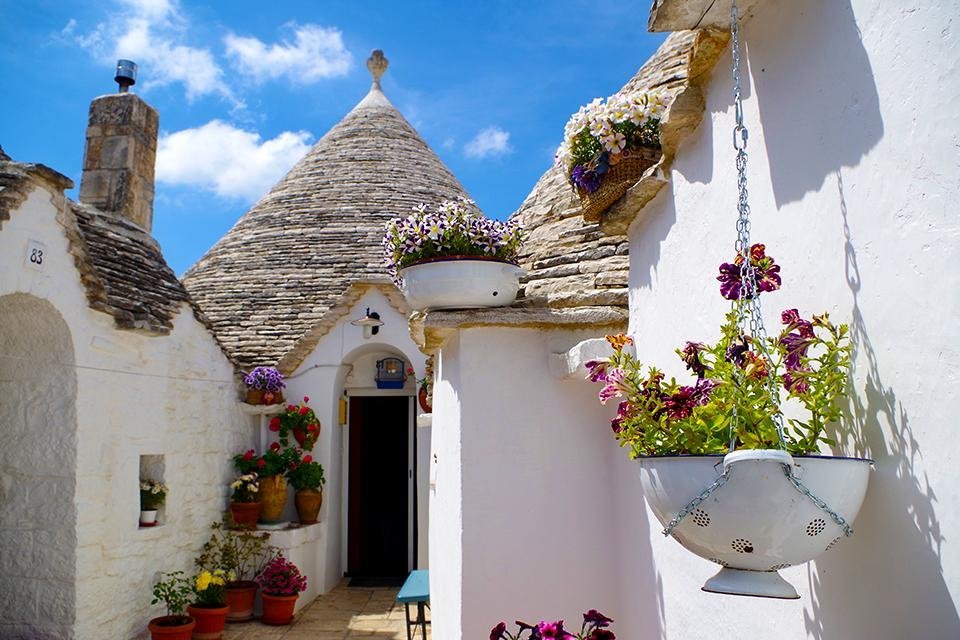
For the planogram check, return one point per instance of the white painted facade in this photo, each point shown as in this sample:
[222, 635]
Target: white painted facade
[74, 562]
[853, 170]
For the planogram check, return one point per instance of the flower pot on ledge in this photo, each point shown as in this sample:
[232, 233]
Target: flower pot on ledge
[259, 396]
[460, 282]
[308, 502]
[758, 522]
[273, 498]
[245, 514]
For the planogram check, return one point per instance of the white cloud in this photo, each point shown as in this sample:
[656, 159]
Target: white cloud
[231, 162]
[489, 142]
[448, 143]
[150, 32]
[314, 54]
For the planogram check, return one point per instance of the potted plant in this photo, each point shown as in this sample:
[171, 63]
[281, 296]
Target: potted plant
[264, 386]
[607, 146]
[272, 484]
[245, 499]
[425, 387]
[173, 589]
[300, 421]
[152, 495]
[593, 627]
[210, 605]
[307, 479]
[281, 583]
[721, 471]
[453, 257]
[241, 555]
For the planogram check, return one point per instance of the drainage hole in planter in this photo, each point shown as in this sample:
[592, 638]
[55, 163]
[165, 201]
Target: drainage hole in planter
[777, 567]
[742, 545]
[701, 517]
[494, 293]
[816, 527]
[833, 543]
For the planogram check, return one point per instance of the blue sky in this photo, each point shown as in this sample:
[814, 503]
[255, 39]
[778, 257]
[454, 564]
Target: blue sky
[244, 88]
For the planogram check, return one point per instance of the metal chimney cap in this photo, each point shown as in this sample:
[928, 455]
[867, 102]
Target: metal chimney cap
[126, 74]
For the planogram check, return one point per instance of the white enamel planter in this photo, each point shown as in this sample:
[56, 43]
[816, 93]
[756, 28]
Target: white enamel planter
[757, 523]
[460, 283]
[148, 517]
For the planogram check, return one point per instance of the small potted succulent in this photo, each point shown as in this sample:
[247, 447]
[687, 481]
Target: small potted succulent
[452, 257]
[210, 608]
[264, 386]
[281, 584]
[270, 468]
[299, 421]
[594, 627]
[152, 495]
[607, 146]
[720, 469]
[245, 500]
[306, 477]
[173, 589]
[241, 555]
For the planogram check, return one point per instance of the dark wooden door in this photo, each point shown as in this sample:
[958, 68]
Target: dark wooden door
[378, 507]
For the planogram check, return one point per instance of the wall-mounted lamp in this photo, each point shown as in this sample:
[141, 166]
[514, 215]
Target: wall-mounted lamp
[371, 323]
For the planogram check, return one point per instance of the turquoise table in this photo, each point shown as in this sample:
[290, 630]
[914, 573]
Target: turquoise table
[416, 589]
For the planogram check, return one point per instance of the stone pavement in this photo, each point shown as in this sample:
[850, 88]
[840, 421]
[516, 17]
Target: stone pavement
[344, 613]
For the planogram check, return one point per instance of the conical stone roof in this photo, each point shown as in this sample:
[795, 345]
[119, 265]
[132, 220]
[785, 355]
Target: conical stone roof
[288, 259]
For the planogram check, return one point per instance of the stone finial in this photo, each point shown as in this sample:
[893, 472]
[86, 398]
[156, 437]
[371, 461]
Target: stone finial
[377, 64]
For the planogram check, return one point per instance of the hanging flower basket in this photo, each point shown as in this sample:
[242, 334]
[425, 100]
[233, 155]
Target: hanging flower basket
[616, 181]
[757, 522]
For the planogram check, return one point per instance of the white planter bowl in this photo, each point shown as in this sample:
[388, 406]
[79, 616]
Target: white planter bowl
[148, 517]
[460, 283]
[757, 523]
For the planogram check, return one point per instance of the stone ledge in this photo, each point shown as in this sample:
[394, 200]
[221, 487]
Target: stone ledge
[431, 329]
[679, 15]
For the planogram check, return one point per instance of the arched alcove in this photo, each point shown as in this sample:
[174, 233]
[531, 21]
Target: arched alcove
[38, 425]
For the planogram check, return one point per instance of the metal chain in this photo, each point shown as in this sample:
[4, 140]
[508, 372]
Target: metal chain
[748, 309]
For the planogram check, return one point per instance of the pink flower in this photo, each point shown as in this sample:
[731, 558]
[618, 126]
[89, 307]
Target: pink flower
[306, 399]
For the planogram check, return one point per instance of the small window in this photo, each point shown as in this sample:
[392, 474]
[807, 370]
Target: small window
[152, 491]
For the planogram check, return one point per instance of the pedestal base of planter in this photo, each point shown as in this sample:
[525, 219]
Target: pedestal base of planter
[739, 582]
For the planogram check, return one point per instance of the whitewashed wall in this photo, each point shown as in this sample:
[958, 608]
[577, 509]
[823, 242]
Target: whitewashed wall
[344, 360]
[854, 130]
[136, 394]
[522, 510]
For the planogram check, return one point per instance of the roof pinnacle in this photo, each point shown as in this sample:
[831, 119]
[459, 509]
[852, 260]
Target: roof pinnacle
[377, 64]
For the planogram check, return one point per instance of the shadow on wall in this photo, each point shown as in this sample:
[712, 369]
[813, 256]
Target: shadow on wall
[816, 94]
[648, 236]
[889, 577]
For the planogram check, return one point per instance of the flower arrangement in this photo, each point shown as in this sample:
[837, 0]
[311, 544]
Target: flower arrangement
[810, 360]
[601, 134]
[275, 461]
[455, 228]
[240, 555]
[265, 379]
[210, 588]
[173, 589]
[152, 494]
[245, 488]
[280, 577]
[593, 627]
[299, 420]
[306, 474]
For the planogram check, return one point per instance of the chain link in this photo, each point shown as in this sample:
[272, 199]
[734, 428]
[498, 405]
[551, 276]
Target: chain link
[748, 309]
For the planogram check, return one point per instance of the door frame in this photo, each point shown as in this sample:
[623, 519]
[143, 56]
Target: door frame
[412, 524]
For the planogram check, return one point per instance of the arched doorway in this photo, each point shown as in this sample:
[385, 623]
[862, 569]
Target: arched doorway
[38, 424]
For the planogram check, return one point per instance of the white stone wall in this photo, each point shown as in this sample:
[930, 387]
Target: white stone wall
[137, 394]
[522, 511]
[344, 360]
[854, 177]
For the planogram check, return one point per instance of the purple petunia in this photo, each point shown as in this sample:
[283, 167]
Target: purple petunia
[766, 273]
[585, 179]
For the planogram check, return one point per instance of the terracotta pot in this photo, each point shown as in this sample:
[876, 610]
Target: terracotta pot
[273, 498]
[301, 437]
[272, 397]
[277, 610]
[245, 514]
[171, 627]
[254, 396]
[308, 503]
[240, 597]
[210, 621]
[422, 396]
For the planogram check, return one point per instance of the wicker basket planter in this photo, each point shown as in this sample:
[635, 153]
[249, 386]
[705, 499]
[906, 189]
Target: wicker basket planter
[616, 181]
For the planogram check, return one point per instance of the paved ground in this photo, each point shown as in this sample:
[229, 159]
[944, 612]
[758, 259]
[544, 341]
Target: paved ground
[344, 613]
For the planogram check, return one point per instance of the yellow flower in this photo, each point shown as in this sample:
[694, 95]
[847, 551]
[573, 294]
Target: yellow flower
[203, 580]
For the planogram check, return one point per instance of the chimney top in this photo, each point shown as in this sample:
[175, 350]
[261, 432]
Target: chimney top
[126, 74]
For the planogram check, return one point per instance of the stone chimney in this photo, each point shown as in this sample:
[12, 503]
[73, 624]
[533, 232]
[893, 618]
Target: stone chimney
[119, 159]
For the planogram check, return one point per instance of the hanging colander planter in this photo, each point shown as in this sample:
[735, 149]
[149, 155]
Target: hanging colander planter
[728, 476]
